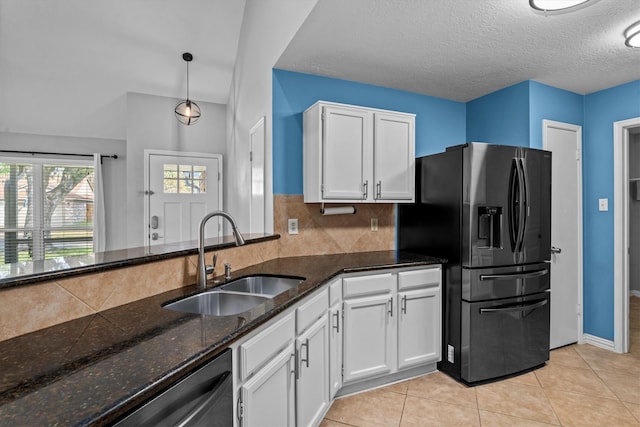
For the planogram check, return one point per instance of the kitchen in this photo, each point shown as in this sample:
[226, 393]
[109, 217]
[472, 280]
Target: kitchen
[446, 126]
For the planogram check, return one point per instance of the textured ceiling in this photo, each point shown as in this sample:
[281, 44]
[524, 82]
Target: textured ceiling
[463, 49]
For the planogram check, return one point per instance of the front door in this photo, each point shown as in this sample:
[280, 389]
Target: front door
[181, 188]
[564, 141]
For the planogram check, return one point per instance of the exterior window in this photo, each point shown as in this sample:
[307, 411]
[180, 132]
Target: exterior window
[184, 179]
[46, 209]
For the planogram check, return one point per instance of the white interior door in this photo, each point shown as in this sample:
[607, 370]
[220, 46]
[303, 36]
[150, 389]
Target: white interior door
[180, 189]
[565, 142]
[256, 202]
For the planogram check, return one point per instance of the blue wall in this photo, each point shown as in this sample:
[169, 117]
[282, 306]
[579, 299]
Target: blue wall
[550, 103]
[501, 117]
[601, 110]
[439, 122]
[511, 116]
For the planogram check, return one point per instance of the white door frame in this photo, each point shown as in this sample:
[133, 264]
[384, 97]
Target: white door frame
[150, 152]
[546, 124]
[621, 233]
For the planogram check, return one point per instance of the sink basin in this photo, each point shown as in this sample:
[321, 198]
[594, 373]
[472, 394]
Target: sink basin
[217, 303]
[264, 285]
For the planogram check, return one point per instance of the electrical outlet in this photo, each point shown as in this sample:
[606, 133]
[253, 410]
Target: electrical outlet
[374, 224]
[293, 225]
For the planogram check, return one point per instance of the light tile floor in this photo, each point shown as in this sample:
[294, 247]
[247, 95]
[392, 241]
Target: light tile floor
[581, 385]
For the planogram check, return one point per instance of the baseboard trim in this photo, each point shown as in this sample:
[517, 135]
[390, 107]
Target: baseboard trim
[598, 342]
[385, 380]
[634, 293]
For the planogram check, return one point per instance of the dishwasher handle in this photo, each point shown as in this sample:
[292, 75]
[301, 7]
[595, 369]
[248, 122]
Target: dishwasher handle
[214, 395]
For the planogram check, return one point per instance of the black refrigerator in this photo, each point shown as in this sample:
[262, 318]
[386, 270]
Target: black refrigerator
[487, 209]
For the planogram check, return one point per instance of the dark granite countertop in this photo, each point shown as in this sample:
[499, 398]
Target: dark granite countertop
[29, 272]
[92, 370]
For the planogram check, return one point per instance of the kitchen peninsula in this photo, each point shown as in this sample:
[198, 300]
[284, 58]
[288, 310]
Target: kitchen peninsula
[94, 369]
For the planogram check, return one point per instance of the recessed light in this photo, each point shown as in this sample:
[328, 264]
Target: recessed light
[632, 35]
[558, 6]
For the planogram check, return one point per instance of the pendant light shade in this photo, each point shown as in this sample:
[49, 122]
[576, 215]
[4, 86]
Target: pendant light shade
[187, 111]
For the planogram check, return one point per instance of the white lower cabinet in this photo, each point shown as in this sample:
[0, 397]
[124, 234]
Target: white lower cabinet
[368, 331]
[419, 317]
[357, 327]
[312, 384]
[396, 328]
[267, 399]
[312, 350]
[336, 321]
[265, 377]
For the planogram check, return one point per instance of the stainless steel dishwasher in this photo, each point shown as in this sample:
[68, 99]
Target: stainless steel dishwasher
[204, 398]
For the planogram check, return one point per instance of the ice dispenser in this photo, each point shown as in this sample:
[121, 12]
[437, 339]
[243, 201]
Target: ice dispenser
[490, 227]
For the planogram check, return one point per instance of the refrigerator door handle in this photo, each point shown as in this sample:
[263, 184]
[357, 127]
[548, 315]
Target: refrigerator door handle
[519, 275]
[512, 205]
[519, 307]
[523, 205]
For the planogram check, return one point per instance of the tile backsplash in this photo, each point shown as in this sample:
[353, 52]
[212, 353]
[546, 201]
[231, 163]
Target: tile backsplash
[319, 234]
[26, 309]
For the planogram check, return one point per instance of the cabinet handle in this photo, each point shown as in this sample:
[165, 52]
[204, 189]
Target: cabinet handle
[306, 345]
[391, 307]
[365, 192]
[337, 324]
[379, 190]
[404, 304]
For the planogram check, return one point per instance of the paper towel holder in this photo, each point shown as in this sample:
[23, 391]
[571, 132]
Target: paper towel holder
[339, 210]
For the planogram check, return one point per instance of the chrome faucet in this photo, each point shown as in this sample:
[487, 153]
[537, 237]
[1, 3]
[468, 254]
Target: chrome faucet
[201, 274]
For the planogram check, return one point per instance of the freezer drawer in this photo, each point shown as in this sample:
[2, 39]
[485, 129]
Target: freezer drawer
[504, 282]
[503, 337]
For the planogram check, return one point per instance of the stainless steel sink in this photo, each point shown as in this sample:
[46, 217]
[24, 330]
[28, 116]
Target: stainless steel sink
[217, 303]
[263, 285]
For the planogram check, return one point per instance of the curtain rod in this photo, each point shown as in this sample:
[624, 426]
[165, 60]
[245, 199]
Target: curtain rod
[102, 156]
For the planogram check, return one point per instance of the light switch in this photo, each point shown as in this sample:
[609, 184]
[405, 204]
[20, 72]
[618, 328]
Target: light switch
[292, 225]
[603, 205]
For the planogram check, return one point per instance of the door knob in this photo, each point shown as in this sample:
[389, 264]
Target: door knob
[555, 250]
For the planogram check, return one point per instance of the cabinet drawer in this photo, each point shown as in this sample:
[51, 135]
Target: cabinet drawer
[368, 285]
[427, 277]
[260, 349]
[311, 310]
[335, 292]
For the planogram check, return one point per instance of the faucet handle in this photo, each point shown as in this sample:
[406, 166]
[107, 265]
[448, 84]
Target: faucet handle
[209, 269]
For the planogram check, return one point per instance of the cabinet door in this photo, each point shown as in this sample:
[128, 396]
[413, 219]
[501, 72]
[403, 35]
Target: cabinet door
[268, 397]
[418, 327]
[368, 339]
[394, 157]
[346, 151]
[335, 349]
[312, 386]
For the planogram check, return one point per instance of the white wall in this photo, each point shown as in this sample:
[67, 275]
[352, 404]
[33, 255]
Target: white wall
[267, 28]
[151, 124]
[634, 213]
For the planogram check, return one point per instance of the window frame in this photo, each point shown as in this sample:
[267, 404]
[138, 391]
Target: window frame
[38, 230]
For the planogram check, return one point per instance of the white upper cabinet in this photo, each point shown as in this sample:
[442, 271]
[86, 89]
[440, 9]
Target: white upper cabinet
[356, 154]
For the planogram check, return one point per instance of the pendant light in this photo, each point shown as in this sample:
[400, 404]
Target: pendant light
[187, 111]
